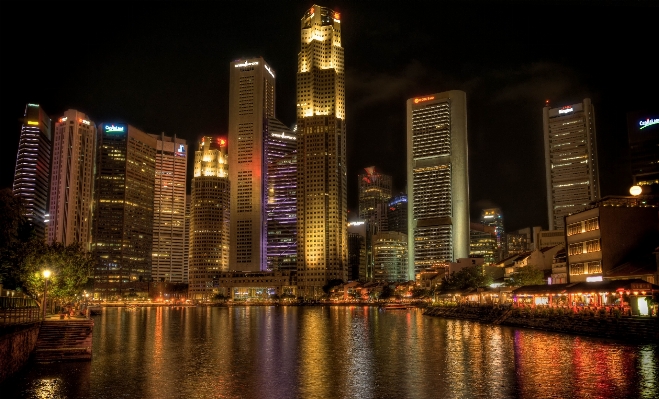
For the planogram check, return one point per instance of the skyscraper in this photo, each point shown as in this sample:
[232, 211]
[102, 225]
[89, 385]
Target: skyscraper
[374, 195]
[169, 254]
[123, 212]
[281, 204]
[437, 180]
[209, 218]
[494, 217]
[390, 256]
[397, 214]
[643, 133]
[322, 175]
[251, 103]
[32, 175]
[570, 160]
[72, 180]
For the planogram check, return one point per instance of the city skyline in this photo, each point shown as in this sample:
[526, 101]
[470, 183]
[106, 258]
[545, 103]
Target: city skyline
[506, 87]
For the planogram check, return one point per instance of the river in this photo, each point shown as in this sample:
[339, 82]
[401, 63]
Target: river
[335, 352]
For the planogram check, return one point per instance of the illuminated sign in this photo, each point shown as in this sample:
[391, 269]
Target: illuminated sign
[488, 216]
[181, 148]
[222, 142]
[83, 121]
[593, 279]
[422, 99]
[648, 122]
[33, 123]
[355, 223]
[269, 70]
[283, 136]
[33, 105]
[566, 110]
[63, 119]
[114, 129]
[245, 64]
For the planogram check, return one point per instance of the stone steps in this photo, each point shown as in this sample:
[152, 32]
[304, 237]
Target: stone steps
[64, 340]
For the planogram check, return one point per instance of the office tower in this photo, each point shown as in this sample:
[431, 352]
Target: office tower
[72, 180]
[494, 217]
[570, 160]
[374, 194]
[483, 243]
[186, 250]
[322, 186]
[397, 214]
[32, 175]
[437, 180]
[169, 255]
[357, 266]
[209, 218]
[390, 257]
[281, 203]
[122, 236]
[643, 132]
[251, 103]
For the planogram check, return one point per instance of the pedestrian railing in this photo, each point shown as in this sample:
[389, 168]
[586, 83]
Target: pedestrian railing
[18, 311]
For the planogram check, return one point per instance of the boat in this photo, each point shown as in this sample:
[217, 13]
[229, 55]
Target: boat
[395, 306]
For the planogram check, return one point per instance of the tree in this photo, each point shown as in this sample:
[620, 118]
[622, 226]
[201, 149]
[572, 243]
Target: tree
[527, 275]
[219, 298]
[16, 231]
[468, 277]
[69, 265]
[331, 284]
[387, 292]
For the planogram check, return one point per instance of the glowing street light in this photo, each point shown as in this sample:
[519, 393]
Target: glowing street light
[46, 275]
[636, 190]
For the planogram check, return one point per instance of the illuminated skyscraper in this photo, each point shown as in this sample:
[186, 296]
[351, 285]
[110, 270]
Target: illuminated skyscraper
[494, 217]
[322, 253]
[209, 218]
[251, 103]
[32, 175]
[281, 204]
[72, 180]
[570, 160]
[123, 213]
[437, 180]
[374, 194]
[397, 214]
[390, 256]
[169, 254]
[643, 133]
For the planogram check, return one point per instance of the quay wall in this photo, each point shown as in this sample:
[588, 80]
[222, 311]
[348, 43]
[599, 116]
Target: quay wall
[16, 346]
[637, 329]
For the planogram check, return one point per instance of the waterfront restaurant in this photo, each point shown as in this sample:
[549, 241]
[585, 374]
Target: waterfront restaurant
[633, 297]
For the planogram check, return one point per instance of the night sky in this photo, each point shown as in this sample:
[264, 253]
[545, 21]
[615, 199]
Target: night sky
[165, 68]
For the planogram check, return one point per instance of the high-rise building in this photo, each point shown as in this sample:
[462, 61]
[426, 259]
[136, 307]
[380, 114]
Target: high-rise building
[122, 238]
[186, 264]
[251, 103]
[494, 217]
[374, 194]
[169, 255]
[390, 257]
[570, 160]
[357, 266]
[643, 131]
[322, 174]
[437, 180]
[281, 203]
[209, 218]
[483, 243]
[32, 175]
[72, 180]
[397, 214]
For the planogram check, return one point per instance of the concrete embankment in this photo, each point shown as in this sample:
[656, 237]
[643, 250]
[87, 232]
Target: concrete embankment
[637, 329]
[16, 345]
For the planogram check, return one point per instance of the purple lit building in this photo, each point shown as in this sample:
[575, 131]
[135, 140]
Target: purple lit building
[280, 196]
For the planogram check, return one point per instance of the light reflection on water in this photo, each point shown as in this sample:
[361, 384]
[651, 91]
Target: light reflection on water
[335, 352]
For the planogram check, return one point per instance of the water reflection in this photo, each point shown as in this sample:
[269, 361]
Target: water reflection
[338, 352]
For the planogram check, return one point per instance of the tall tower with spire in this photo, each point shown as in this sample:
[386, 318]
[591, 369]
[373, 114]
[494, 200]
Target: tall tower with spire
[322, 174]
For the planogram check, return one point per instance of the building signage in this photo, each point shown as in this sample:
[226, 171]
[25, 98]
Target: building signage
[114, 128]
[422, 99]
[283, 136]
[33, 123]
[245, 64]
[648, 122]
[355, 223]
[566, 110]
[63, 119]
[181, 148]
[32, 105]
[83, 121]
[593, 279]
[269, 70]
[641, 286]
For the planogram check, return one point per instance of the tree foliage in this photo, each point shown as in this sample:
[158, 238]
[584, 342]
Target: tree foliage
[14, 234]
[468, 277]
[527, 275]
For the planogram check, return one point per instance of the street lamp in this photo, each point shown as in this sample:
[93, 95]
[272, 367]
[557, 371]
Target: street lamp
[46, 275]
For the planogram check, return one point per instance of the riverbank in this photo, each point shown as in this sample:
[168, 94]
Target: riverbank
[625, 328]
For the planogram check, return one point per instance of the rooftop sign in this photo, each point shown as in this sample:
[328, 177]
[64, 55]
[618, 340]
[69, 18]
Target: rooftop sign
[245, 64]
[268, 69]
[422, 99]
[566, 110]
[283, 136]
[114, 128]
[648, 122]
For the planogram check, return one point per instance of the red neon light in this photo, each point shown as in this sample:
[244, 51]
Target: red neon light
[337, 15]
[422, 99]
[222, 142]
